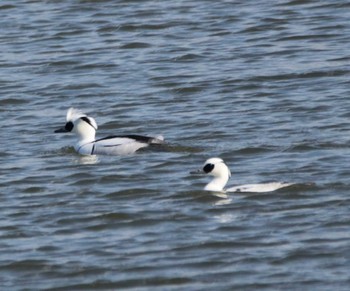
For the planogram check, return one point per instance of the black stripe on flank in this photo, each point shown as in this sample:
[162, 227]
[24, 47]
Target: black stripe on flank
[112, 145]
[93, 149]
[139, 138]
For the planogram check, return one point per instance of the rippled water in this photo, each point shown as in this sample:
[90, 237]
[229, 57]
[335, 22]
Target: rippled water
[262, 84]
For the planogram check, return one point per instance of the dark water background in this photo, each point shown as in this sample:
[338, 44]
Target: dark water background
[262, 84]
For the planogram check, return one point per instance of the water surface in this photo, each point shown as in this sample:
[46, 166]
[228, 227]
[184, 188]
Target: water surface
[265, 86]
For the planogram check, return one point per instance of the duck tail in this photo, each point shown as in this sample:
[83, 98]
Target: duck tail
[159, 139]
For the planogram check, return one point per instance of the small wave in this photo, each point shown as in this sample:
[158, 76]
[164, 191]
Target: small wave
[135, 45]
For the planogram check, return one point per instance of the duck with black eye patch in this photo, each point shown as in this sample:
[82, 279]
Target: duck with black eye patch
[217, 168]
[85, 128]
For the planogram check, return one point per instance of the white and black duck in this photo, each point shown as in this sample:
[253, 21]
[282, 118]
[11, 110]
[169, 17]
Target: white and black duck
[85, 128]
[219, 170]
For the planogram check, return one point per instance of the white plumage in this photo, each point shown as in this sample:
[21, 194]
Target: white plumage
[85, 129]
[218, 169]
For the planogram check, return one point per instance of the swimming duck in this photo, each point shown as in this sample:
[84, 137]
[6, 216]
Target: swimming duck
[85, 128]
[217, 168]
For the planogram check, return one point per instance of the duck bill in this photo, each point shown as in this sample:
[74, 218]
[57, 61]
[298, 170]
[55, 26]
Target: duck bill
[62, 129]
[197, 172]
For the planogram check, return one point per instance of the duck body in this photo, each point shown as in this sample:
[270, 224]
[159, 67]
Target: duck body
[259, 188]
[115, 145]
[218, 169]
[85, 128]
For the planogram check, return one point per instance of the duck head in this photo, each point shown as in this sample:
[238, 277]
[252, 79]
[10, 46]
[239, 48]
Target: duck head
[82, 125]
[218, 169]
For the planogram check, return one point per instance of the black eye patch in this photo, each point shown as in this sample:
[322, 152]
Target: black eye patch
[208, 168]
[69, 126]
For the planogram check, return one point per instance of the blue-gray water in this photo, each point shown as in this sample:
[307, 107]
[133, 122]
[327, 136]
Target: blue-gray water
[262, 84]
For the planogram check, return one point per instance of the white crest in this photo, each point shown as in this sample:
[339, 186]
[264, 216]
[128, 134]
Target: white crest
[73, 114]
